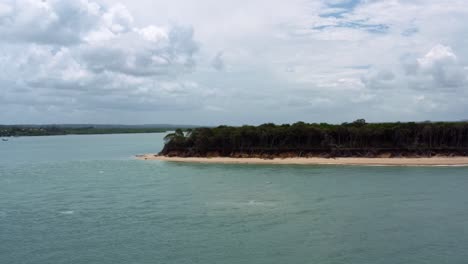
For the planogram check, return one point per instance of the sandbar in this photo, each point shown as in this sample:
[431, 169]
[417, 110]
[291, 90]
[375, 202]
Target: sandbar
[433, 161]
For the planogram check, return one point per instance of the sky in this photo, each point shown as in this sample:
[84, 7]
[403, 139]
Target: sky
[234, 62]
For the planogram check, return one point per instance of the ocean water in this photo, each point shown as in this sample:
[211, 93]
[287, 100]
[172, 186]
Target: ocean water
[85, 199]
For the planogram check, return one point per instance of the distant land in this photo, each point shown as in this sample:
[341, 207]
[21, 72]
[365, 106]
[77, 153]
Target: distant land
[303, 140]
[85, 129]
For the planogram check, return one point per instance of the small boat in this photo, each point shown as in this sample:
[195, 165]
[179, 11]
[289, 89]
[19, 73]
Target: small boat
[4, 139]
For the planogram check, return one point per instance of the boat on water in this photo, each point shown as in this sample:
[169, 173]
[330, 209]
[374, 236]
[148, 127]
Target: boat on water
[4, 139]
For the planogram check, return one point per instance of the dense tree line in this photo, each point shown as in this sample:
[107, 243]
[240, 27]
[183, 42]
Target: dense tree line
[301, 139]
[15, 131]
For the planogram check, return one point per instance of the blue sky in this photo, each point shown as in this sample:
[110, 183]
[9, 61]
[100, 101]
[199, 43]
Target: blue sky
[347, 4]
[341, 7]
[232, 62]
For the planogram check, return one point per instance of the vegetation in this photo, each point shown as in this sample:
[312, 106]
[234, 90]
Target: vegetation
[52, 130]
[358, 139]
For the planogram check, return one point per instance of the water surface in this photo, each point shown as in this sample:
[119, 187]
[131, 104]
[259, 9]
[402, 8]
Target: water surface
[85, 199]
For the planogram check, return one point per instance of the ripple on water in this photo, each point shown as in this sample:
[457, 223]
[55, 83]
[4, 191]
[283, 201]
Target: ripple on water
[67, 212]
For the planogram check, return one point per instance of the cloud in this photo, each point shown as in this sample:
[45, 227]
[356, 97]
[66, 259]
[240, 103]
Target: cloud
[439, 54]
[410, 31]
[48, 22]
[80, 54]
[218, 62]
[5, 10]
[118, 19]
[380, 79]
[146, 52]
[362, 25]
[437, 70]
[154, 60]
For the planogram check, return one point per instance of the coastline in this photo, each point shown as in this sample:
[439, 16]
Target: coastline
[434, 161]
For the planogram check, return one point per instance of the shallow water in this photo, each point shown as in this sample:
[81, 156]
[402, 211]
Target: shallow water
[84, 199]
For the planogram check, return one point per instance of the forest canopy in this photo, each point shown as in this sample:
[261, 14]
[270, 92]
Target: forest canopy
[56, 130]
[300, 139]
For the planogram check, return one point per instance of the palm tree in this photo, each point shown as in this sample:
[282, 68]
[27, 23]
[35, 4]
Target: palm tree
[175, 137]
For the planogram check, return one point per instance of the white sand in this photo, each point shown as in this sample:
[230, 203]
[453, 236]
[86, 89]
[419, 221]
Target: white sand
[434, 161]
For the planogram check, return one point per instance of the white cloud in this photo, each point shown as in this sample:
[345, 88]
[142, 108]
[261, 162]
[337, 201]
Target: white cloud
[441, 67]
[82, 55]
[153, 33]
[327, 60]
[5, 10]
[439, 54]
[139, 54]
[48, 22]
[437, 70]
[118, 19]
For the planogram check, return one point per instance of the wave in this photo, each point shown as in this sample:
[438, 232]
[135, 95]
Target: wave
[243, 204]
[70, 212]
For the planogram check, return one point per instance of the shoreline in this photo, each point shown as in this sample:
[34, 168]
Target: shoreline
[434, 161]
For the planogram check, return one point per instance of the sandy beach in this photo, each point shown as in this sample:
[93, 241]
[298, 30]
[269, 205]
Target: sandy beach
[434, 161]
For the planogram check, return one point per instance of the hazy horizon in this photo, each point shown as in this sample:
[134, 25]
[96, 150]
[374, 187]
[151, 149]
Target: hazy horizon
[208, 125]
[223, 62]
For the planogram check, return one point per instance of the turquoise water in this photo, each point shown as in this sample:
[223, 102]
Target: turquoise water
[84, 199]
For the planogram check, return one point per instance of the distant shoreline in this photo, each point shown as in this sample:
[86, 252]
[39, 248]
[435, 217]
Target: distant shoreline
[434, 161]
[50, 130]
